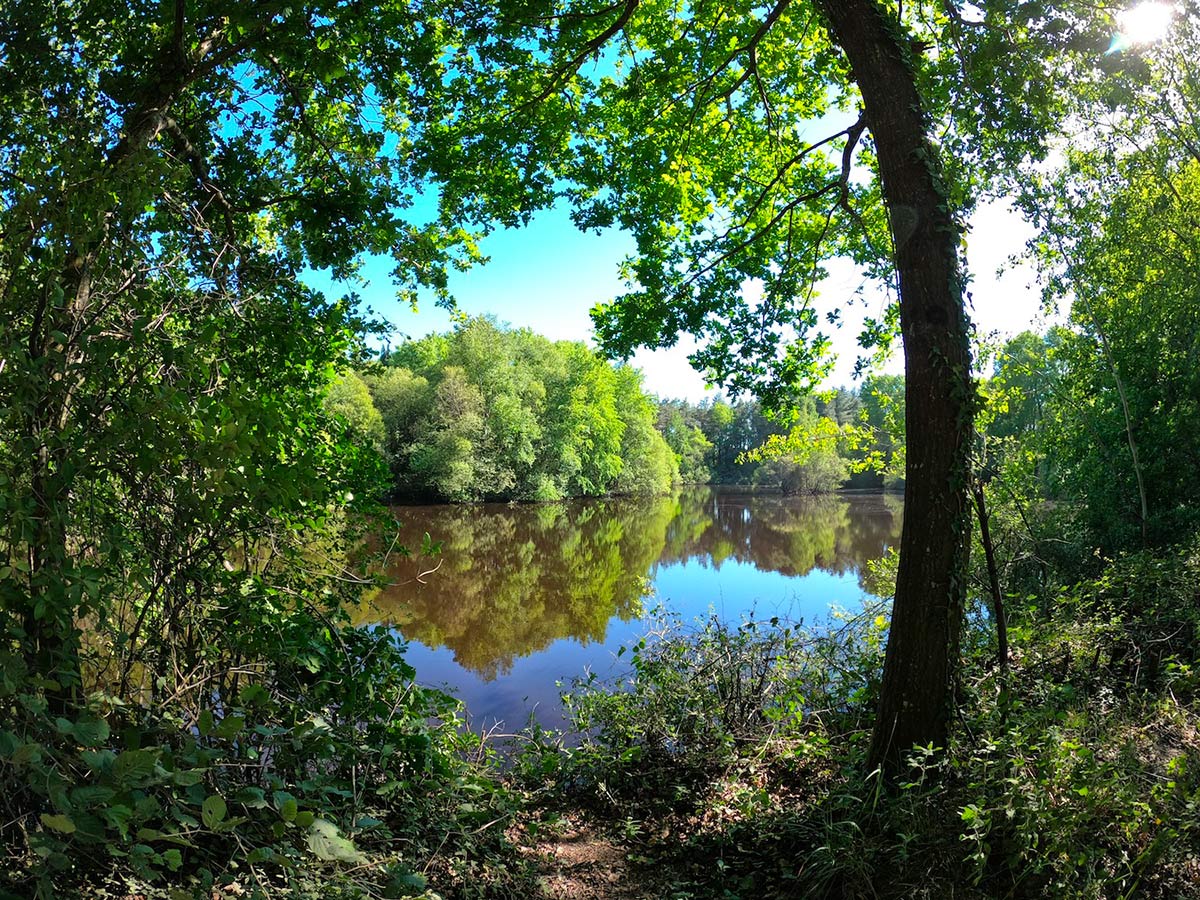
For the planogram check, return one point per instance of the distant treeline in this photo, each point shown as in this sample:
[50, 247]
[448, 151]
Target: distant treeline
[860, 443]
[485, 413]
[490, 413]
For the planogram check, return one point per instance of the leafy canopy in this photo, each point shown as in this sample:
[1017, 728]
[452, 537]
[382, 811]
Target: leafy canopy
[726, 137]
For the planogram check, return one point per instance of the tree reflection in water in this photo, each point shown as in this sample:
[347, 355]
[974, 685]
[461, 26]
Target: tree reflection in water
[514, 579]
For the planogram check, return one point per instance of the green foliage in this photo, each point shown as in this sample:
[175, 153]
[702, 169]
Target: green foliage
[840, 405]
[734, 429]
[1090, 788]
[822, 471]
[697, 701]
[489, 413]
[843, 438]
[806, 460]
[647, 462]
[687, 441]
[350, 400]
[1118, 240]
[882, 415]
[333, 754]
[182, 463]
[744, 745]
[727, 140]
[1139, 273]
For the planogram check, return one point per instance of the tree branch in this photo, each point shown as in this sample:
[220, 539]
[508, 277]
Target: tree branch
[593, 45]
[751, 239]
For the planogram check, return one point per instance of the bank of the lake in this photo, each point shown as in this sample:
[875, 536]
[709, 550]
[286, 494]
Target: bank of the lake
[524, 596]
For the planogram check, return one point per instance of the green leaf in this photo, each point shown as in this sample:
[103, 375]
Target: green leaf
[326, 843]
[188, 777]
[99, 761]
[91, 795]
[213, 811]
[260, 854]
[134, 766]
[91, 732]
[252, 797]
[27, 755]
[230, 727]
[408, 882]
[59, 822]
[280, 798]
[252, 694]
[118, 817]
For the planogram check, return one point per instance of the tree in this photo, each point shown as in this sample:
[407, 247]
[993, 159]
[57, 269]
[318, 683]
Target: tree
[694, 131]
[452, 454]
[820, 472]
[1118, 242]
[734, 430]
[841, 405]
[349, 398]
[1122, 424]
[883, 416]
[167, 172]
[808, 459]
[174, 495]
[686, 439]
[647, 462]
[401, 399]
[499, 414]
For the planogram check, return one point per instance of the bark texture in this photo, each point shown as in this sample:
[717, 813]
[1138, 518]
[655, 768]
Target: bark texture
[920, 668]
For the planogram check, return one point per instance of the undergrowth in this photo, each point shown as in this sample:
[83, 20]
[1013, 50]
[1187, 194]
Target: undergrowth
[730, 764]
[734, 756]
[291, 756]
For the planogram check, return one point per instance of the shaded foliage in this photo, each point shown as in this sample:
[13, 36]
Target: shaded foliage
[183, 461]
[744, 744]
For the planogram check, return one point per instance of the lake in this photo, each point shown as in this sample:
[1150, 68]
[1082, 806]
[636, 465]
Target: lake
[523, 596]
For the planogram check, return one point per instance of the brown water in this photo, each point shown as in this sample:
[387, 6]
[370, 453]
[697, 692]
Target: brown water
[523, 596]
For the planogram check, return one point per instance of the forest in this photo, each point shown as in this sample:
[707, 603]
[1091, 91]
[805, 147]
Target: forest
[196, 444]
[488, 413]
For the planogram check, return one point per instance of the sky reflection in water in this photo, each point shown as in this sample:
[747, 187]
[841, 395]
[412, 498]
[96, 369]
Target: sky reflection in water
[527, 595]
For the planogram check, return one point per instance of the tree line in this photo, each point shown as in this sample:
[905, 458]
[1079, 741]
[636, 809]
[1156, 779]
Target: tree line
[484, 412]
[860, 445]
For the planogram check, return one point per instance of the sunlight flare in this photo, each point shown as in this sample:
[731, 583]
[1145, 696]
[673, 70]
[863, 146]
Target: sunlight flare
[1144, 24]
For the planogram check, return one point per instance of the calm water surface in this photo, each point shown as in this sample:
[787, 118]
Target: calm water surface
[527, 595]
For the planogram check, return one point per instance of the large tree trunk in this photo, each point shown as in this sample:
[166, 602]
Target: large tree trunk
[920, 668]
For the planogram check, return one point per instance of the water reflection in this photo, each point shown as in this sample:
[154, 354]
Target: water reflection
[788, 535]
[514, 581]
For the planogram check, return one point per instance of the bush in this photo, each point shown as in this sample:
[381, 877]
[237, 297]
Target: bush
[276, 750]
[823, 472]
[733, 757]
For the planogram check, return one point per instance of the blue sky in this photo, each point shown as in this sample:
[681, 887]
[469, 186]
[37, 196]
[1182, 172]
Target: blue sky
[548, 275]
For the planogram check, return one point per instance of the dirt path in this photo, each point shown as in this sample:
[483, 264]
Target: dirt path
[581, 864]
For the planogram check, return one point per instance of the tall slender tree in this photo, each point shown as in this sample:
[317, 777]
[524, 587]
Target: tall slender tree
[745, 144]
[922, 651]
